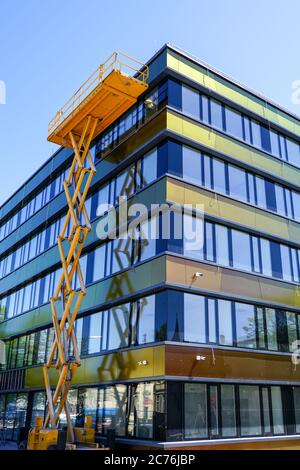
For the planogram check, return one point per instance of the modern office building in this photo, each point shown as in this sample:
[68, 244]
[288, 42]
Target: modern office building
[169, 358]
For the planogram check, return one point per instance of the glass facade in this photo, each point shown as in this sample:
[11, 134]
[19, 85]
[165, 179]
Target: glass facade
[221, 408]
[199, 320]
[222, 117]
[243, 251]
[140, 410]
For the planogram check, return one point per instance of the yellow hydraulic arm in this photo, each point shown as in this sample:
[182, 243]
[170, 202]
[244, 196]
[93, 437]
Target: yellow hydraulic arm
[107, 94]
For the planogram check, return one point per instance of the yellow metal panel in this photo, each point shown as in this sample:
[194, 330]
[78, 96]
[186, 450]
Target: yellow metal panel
[122, 365]
[237, 150]
[231, 91]
[235, 211]
[219, 279]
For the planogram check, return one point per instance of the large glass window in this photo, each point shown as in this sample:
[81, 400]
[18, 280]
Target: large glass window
[143, 407]
[277, 410]
[146, 320]
[195, 411]
[216, 114]
[245, 325]
[222, 245]
[225, 322]
[194, 318]
[119, 327]
[95, 333]
[38, 407]
[99, 263]
[190, 102]
[241, 254]
[266, 410]
[149, 167]
[219, 175]
[271, 329]
[228, 411]
[250, 410]
[234, 123]
[112, 412]
[237, 182]
[192, 165]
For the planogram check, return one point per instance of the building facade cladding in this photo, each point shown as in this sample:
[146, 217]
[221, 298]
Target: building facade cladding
[205, 139]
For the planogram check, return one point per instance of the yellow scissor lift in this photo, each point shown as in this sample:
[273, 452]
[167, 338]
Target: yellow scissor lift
[105, 96]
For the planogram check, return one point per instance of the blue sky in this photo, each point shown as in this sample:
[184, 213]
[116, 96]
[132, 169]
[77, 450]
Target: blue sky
[49, 47]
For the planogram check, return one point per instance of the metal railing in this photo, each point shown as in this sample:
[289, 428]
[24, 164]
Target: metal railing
[116, 61]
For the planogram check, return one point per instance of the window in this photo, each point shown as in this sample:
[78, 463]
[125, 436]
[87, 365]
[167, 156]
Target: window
[99, 263]
[204, 109]
[94, 333]
[266, 257]
[296, 393]
[234, 124]
[266, 410]
[271, 329]
[216, 114]
[286, 263]
[121, 254]
[148, 239]
[256, 134]
[209, 242]
[112, 411]
[149, 166]
[146, 320]
[207, 171]
[293, 152]
[241, 254]
[280, 205]
[225, 322]
[194, 318]
[256, 254]
[190, 102]
[277, 410]
[245, 325]
[291, 321]
[296, 204]
[38, 407]
[222, 246]
[143, 407]
[275, 143]
[193, 243]
[195, 411]
[192, 170]
[237, 182]
[212, 325]
[250, 411]
[213, 410]
[228, 411]
[125, 183]
[261, 192]
[42, 346]
[261, 328]
[219, 175]
[119, 326]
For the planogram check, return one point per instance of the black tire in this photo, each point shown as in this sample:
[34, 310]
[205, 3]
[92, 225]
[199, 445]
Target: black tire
[23, 445]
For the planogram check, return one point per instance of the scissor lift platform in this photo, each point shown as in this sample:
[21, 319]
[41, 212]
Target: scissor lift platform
[105, 96]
